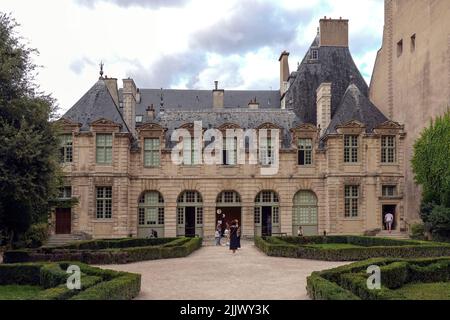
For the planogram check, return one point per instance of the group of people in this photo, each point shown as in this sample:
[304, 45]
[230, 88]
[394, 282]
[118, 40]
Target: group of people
[232, 234]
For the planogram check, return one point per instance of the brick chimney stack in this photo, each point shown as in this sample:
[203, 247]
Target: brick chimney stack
[284, 72]
[218, 96]
[129, 103]
[333, 32]
[324, 106]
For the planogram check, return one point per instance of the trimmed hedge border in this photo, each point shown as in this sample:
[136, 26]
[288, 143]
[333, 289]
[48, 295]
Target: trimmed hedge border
[371, 247]
[96, 284]
[350, 282]
[119, 251]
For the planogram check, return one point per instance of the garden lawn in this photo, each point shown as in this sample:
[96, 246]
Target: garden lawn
[426, 291]
[19, 292]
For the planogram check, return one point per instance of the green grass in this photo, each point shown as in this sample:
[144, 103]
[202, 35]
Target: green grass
[426, 291]
[333, 245]
[19, 292]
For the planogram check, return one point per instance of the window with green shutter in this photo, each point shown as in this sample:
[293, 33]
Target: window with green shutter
[104, 202]
[151, 152]
[104, 148]
[66, 150]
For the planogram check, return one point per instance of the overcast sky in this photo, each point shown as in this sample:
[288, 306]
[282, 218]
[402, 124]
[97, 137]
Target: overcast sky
[182, 43]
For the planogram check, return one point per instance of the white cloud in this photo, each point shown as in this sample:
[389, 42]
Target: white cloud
[73, 39]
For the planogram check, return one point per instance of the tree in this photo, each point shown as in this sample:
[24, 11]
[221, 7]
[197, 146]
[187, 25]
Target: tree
[431, 166]
[28, 139]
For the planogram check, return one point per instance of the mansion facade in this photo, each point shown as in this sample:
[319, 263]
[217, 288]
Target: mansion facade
[340, 159]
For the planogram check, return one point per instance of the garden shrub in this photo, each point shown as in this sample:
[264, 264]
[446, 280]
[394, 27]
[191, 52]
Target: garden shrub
[36, 235]
[418, 231]
[394, 275]
[52, 275]
[115, 252]
[369, 247]
[319, 288]
[20, 274]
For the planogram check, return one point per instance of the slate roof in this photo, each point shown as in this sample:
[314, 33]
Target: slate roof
[356, 106]
[97, 103]
[335, 65]
[191, 100]
[245, 119]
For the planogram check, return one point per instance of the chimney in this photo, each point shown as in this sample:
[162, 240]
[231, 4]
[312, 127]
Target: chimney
[284, 72]
[150, 112]
[111, 84]
[218, 95]
[333, 32]
[324, 106]
[138, 95]
[253, 104]
[129, 103]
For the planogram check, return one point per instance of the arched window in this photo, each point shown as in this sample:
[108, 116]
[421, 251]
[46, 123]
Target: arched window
[267, 213]
[228, 198]
[304, 213]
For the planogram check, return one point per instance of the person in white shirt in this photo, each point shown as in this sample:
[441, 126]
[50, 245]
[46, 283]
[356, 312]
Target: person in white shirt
[388, 220]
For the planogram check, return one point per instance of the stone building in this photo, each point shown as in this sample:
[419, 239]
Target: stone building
[411, 79]
[340, 159]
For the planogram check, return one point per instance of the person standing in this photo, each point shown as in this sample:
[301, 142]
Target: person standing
[388, 220]
[238, 234]
[233, 237]
[218, 234]
[300, 231]
[227, 234]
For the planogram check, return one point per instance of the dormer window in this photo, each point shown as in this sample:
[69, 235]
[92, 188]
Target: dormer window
[314, 54]
[139, 119]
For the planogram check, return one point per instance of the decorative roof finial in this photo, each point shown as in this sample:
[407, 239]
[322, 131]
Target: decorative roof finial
[101, 69]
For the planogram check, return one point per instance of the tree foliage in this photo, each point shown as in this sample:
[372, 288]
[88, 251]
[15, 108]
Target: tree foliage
[28, 139]
[431, 166]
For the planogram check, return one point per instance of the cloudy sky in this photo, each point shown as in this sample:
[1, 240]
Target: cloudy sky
[182, 43]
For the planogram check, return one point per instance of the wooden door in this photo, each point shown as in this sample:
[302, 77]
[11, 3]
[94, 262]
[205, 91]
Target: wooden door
[63, 221]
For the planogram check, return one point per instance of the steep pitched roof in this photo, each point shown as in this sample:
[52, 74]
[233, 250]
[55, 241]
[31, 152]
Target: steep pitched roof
[97, 103]
[356, 106]
[333, 64]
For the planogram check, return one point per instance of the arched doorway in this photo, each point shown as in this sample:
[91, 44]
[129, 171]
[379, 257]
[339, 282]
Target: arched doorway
[151, 215]
[304, 213]
[228, 208]
[190, 214]
[267, 213]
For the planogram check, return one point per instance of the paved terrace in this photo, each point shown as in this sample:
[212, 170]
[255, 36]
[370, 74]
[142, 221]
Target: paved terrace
[214, 273]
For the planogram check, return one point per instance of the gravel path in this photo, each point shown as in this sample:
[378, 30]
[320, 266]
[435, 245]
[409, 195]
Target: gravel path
[214, 273]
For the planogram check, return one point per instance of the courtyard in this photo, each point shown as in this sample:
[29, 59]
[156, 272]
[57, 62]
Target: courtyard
[213, 273]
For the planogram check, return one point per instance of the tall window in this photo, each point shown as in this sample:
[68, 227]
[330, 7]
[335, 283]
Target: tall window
[104, 148]
[151, 152]
[151, 209]
[229, 155]
[267, 155]
[304, 152]
[190, 154]
[388, 149]
[350, 148]
[104, 202]
[66, 150]
[351, 201]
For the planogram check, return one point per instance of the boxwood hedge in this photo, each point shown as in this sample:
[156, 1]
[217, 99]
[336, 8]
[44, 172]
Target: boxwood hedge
[109, 251]
[96, 284]
[365, 248]
[350, 282]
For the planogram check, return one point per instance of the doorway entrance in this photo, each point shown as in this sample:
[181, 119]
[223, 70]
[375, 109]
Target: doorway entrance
[228, 208]
[63, 223]
[389, 208]
[267, 214]
[190, 214]
[189, 228]
[266, 223]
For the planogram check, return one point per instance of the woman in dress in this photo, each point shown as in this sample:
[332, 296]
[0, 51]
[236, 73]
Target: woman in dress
[234, 242]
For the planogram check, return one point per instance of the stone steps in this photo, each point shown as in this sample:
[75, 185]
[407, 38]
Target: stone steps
[393, 235]
[57, 240]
